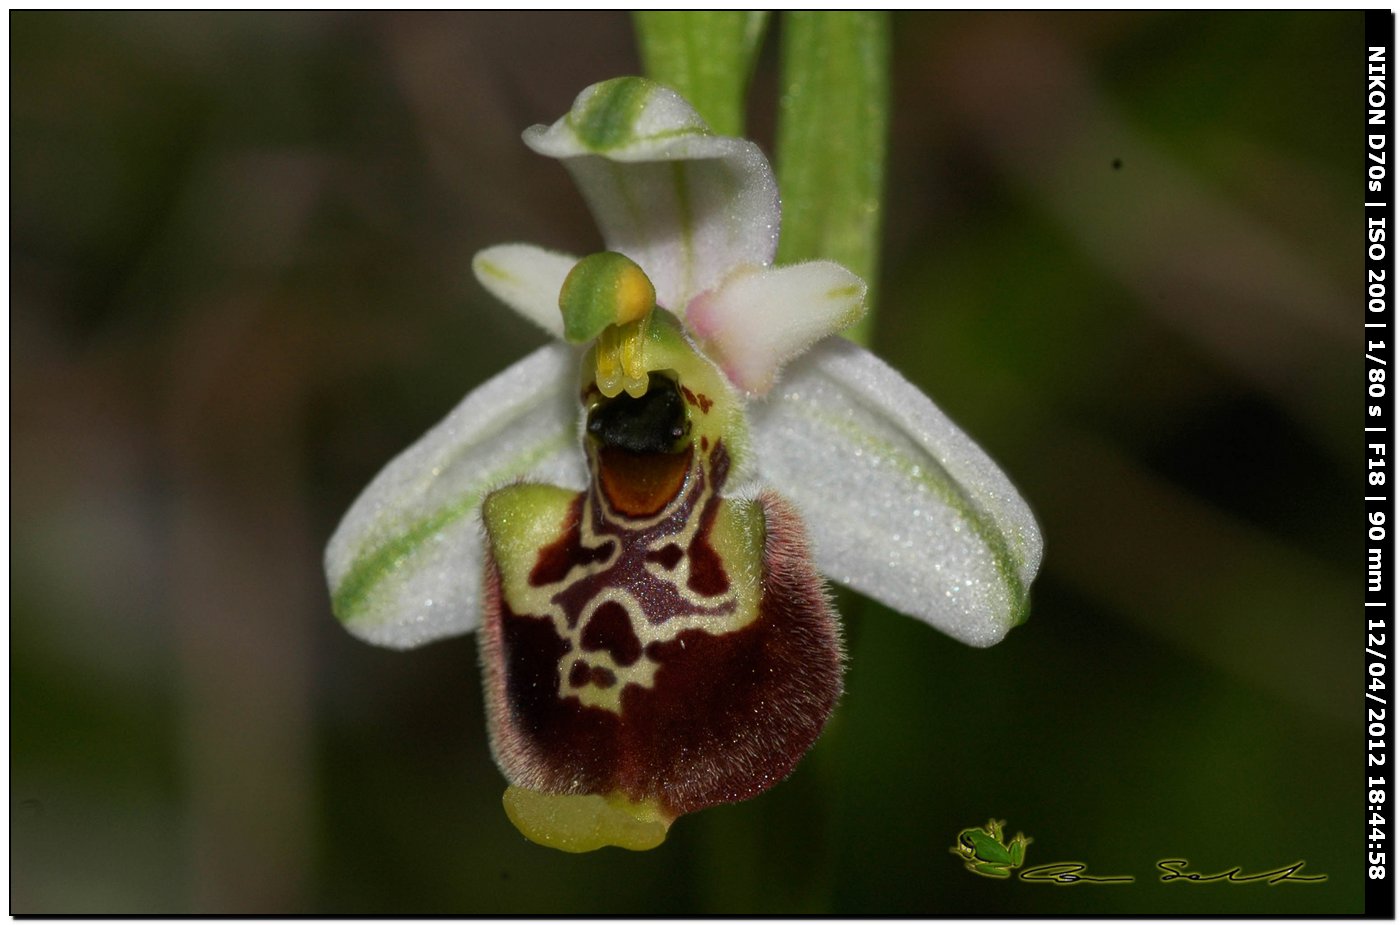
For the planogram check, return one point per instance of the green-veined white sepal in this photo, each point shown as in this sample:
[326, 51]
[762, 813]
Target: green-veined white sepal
[901, 504]
[404, 565]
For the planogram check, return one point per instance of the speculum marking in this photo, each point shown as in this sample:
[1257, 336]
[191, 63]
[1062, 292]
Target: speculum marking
[554, 562]
[667, 556]
[618, 584]
[610, 630]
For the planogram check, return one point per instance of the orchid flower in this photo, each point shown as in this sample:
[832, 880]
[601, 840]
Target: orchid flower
[656, 636]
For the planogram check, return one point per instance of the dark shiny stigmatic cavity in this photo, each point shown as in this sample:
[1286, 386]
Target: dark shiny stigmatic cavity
[650, 424]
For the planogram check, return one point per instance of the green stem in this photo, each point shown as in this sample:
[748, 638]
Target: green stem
[707, 56]
[833, 121]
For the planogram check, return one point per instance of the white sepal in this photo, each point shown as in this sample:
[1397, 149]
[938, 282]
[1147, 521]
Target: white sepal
[901, 504]
[758, 320]
[687, 205]
[528, 279]
[404, 565]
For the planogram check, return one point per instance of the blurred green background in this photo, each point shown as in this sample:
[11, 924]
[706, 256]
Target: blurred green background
[1120, 249]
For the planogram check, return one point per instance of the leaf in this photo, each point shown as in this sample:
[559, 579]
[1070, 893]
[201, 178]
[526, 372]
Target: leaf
[833, 120]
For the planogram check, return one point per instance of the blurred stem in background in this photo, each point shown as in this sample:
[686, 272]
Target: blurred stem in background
[833, 118]
[705, 56]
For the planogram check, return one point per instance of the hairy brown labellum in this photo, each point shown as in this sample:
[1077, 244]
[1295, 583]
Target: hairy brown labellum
[649, 640]
[650, 645]
[725, 715]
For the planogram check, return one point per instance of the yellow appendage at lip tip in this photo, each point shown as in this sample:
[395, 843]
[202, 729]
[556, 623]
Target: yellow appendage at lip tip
[578, 823]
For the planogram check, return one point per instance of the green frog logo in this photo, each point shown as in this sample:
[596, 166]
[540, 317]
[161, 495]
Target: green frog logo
[985, 852]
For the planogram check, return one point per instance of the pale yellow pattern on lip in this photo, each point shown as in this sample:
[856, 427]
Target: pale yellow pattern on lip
[523, 519]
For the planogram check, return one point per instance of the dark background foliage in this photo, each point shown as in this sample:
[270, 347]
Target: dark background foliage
[1121, 250]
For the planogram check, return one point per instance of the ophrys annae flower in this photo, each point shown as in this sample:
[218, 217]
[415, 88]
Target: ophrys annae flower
[638, 530]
